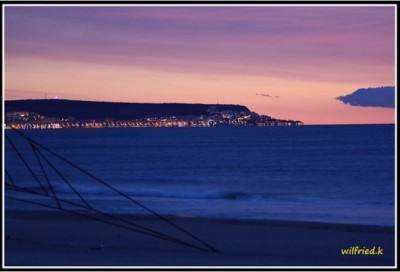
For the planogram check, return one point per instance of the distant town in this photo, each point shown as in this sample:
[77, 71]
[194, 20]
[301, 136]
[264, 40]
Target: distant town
[29, 120]
[212, 116]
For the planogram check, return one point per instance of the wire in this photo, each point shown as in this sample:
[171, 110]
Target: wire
[36, 149]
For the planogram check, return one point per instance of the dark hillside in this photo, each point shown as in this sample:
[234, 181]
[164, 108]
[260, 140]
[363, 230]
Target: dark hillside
[84, 110]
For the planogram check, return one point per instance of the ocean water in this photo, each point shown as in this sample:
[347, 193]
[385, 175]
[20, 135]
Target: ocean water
[339, 174]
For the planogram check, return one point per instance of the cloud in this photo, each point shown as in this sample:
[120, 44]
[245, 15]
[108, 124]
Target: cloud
[294, 42]
[370, 97]
[263, 94]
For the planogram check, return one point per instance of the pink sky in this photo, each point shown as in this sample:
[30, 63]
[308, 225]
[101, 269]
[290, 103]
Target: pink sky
[303, 57]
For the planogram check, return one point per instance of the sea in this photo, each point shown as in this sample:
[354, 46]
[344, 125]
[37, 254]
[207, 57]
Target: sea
[324, 173]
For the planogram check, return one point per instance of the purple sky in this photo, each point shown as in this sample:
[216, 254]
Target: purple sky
[306, 56]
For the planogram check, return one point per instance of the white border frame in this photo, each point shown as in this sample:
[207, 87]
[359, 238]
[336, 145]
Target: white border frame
[193, 267]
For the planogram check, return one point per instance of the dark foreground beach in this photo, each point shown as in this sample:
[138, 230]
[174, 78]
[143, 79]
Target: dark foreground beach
[59, 239]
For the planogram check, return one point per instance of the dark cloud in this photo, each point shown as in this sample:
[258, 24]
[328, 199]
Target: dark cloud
[370, 97]
[263, 94]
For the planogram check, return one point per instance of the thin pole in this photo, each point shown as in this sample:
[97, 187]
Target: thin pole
[9, 177]
[35, 151]
[26, 164]
[104, 221]
[119, 192]
[151, 231]
[65, 180]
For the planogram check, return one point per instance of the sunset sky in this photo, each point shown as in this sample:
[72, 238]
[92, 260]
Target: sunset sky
[302, 57]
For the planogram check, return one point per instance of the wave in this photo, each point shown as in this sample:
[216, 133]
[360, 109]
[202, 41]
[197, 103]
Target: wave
[160, 193]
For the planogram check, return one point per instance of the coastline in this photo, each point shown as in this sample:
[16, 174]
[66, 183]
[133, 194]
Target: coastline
[43, 238]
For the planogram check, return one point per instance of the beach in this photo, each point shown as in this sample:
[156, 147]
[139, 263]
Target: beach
[45, 238]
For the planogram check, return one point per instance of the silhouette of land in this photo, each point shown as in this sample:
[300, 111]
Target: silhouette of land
[84, 110]
[55, 113]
